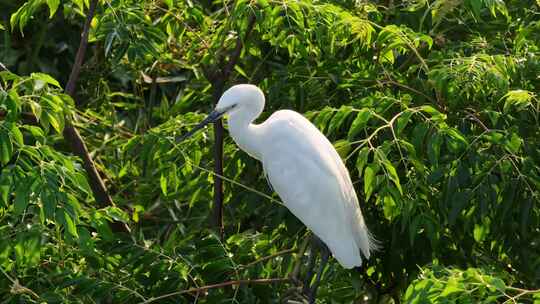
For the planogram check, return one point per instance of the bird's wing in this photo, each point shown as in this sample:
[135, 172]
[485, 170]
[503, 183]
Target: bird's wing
[311, 179]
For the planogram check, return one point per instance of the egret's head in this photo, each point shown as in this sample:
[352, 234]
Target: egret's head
[246, 99]
[241, 97]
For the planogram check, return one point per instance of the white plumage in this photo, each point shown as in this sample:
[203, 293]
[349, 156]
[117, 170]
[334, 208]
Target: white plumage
[304, 169]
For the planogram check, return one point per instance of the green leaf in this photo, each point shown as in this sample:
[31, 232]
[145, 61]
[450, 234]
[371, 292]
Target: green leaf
[479, 233]
[194, 197]
[36, 109]
[450, 288]
[497, 283]
[402, 121]
[369, 180]
[70, 225]
[49, 201]
[4, 194]
[82, 182]
[13, 103]
[387, 56]
[362, 159]
[53, 6]
[436, 116]
[22, 15]
[419, 135]
[45, 78]
[6, 146]
[56, 121]
[169, 3]
[495, 137]
[339, 118]
[35, 131]
[434, 148]
[343, 147]
[22, 196]
[17, 135]
[455, 134]
[163, 184]
[390, 208]
[116, 214]
[392, 174]
[5, 188]
[241, 71]
[359, 122]
[476, 6]
[459, 201]
[517, 98]
[323, 117]
[514, 143]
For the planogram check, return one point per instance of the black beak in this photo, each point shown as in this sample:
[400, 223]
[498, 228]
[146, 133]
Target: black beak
[212, 117]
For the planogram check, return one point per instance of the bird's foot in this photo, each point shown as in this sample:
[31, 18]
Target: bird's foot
[295, 295]
[305, 289]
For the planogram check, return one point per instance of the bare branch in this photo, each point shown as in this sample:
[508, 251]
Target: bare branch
[266, 258]
[218, 85]
[71, 135]
[83, 45]
[219, 285]
[472, 116]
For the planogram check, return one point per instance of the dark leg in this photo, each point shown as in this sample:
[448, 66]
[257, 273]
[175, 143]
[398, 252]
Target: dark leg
[325, 253]
[296, 270]
[296, 292]
[311, 265]
[304, 290]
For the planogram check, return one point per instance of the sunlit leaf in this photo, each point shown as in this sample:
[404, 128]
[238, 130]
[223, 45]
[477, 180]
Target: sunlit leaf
[359, 122]
[369, 180]
[392, 174]
[53, 6]
[163, 184]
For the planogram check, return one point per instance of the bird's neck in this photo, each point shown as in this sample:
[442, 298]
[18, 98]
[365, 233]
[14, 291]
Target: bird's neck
[245, 133]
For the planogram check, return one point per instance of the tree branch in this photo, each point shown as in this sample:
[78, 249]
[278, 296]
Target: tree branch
[218, 85]
[3, 67]
[395, 83]
[235, 55]
[471, 115]
[83, 45]
[71, 135]
[28, 118]
[219, 285]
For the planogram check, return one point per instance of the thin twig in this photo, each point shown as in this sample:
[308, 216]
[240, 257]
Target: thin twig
[219, 285]
[392, 82]
[3, 67]
[17, 288]
[472, 116]
[266, 258]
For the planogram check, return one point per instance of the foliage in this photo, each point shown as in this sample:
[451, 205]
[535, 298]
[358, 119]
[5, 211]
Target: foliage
[434, 105]
[448, 285]
[53, 188]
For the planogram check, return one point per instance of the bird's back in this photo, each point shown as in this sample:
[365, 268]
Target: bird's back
[307, 172]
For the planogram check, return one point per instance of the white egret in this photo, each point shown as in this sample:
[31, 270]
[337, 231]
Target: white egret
[303, 168]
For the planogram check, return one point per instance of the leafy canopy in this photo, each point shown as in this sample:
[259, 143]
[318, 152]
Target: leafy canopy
[433, 105]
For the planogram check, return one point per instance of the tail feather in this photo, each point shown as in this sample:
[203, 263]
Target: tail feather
[346, 253]
[364, 239]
